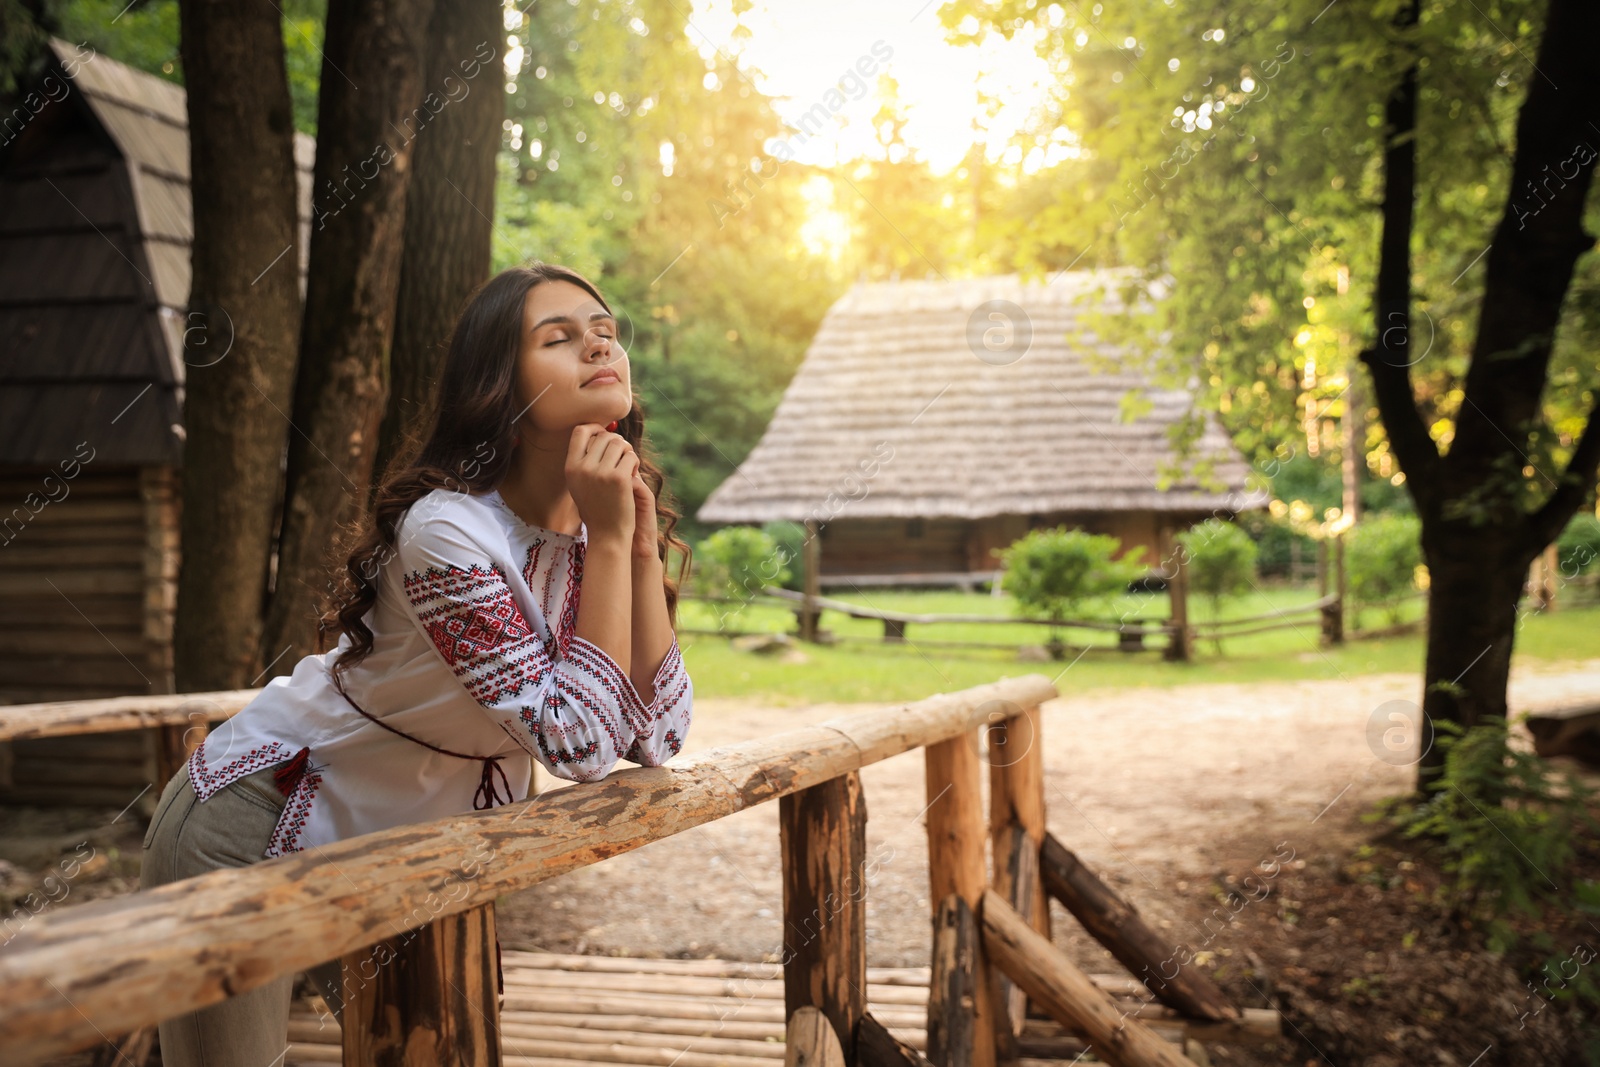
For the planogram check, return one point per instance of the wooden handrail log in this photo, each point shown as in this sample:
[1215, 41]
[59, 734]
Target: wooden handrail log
[110, 966]
[68, 718]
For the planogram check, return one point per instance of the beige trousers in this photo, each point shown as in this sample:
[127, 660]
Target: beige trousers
[188, 838]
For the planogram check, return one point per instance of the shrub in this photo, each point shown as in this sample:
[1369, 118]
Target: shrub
[1381, 557]
[1506, 828]
[790, 539]
[737, 562]
[1276, 544]
[1221, 560]
[1054, 572]
[1578, 547]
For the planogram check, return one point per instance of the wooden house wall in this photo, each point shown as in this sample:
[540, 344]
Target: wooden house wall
[912, 546]
[87, 591]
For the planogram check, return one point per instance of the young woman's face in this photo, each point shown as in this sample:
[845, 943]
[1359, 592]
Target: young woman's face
[572, 369]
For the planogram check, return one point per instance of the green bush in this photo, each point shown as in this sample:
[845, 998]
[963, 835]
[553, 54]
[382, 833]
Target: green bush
[1055, 572]
[1221, 561]
[1381, 556]
[736, 563]
[1275, 540]
[790, 539]
[1578, 548]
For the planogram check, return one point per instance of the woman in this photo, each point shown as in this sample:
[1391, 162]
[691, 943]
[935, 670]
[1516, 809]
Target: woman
[465, 651]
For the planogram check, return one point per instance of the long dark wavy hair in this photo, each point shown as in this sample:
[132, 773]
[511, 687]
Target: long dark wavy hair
[466, 447]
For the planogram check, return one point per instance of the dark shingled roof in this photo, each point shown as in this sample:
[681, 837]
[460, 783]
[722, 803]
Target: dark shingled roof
[95, 228]
[894, 371]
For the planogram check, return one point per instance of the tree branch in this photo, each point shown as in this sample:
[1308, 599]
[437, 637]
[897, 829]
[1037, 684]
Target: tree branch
[1389, 358]
[1572, 486]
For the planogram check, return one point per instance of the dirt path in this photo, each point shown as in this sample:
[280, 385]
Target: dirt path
[1155, 788]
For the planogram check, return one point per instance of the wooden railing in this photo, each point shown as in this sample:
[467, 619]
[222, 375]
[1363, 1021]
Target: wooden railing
[409, 910]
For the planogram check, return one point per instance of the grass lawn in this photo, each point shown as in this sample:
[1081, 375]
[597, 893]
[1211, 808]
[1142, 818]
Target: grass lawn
[868, 670]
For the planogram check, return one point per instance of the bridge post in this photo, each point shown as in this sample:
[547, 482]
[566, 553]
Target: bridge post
[823, 837]
[429, 995]
[1015, 754]
[957, 864]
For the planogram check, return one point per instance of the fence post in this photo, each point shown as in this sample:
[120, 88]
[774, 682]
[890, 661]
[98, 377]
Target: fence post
[1180, 639]
[823, 836]
[811, 563]
[429, 995]
[956, 863]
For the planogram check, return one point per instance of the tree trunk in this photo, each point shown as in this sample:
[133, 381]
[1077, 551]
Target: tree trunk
[241, 334]
[368, 120]
[1478, 538]
[1475, 581]
[449, 208]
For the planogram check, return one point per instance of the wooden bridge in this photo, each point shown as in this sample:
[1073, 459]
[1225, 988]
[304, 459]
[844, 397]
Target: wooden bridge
[410, 913]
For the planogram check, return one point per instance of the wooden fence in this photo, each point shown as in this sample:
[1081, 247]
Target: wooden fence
[409, 910]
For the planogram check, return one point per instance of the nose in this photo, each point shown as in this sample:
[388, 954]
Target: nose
[598, 345]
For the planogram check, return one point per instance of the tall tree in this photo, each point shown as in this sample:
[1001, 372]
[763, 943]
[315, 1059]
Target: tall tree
[1484, 518]
[1266, 164]
[449, 206]
[370, 115]
[242, 334]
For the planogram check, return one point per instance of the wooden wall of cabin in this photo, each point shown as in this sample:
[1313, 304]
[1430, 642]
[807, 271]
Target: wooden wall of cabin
[909, 546]
[88, 587]
[893, 546]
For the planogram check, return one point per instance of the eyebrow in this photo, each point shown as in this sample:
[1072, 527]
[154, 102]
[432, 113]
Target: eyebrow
[569, 320]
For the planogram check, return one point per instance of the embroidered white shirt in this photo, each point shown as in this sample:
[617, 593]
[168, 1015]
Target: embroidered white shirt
[474, 652]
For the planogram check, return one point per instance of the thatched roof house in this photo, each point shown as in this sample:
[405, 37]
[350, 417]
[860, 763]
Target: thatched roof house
[95, 228]
[922, 431]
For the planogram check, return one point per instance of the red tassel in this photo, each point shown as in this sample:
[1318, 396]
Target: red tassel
[288, 776]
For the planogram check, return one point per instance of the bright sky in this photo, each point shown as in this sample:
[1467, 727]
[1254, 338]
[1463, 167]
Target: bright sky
[802, 48]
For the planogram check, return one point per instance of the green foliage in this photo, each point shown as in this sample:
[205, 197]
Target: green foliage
[1578, 547]
[1053, 572]
[790, 539]
[1221, 560]
[1506, 829]
[1278, 545]
[1381, 555]
[736, 563]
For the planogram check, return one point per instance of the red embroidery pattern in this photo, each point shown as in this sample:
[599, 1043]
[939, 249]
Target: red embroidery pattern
[594, 661]
[479, 630]
[569, 610]
[296, 813]
[207, 781]
[474, 621]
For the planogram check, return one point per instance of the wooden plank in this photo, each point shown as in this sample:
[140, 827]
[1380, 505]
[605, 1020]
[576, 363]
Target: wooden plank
[1573, 730]
[953, 991]
[425, 996]
[811, 1040]
[1117, 925]
[823, 840]
[766, 987]
[131, 960]
[957, 864]
[877, 1047]
[1066, 992]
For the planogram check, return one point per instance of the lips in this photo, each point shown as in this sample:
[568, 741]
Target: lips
[603, 377]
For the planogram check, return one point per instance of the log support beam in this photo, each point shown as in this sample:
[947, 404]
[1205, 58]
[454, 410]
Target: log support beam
[823, 836]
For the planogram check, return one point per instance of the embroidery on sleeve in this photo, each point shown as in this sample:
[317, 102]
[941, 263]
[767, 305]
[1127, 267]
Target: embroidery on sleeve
[469, 615]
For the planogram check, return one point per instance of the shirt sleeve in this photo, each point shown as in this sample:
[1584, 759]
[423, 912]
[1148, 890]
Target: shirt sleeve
[668, 714]
[577, 716]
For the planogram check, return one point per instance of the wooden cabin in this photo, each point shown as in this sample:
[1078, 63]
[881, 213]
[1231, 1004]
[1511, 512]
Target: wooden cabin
[95, 227]
[932, 422]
